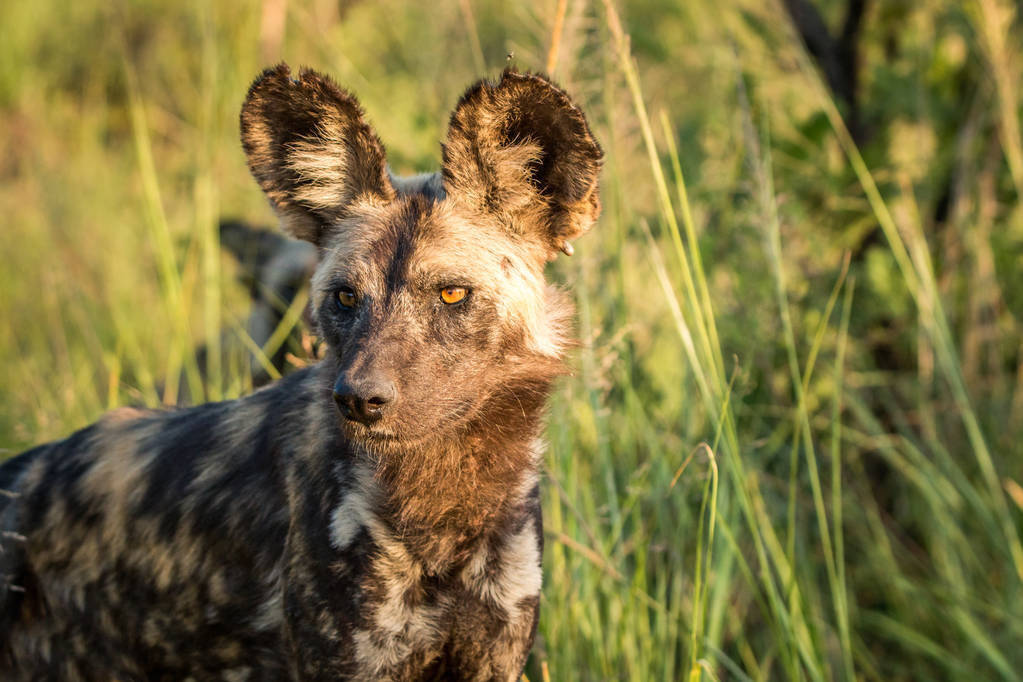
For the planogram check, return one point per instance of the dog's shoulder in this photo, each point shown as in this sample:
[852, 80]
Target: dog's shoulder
[156, 529]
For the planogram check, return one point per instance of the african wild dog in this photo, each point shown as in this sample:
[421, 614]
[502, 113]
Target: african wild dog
[375, 516]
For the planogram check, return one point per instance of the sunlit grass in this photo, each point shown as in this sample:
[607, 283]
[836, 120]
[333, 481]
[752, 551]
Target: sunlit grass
[738, 487]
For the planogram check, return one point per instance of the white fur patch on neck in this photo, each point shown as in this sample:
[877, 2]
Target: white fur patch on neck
[397, 626]
[518, 577]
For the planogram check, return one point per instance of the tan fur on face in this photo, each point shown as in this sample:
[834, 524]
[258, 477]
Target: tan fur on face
[465, 247]
[349, 241]
[479, 247]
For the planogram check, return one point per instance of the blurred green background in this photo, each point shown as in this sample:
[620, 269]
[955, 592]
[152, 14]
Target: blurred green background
[792, 443]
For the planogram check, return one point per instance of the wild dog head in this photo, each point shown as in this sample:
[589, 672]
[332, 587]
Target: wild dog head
[432, 300]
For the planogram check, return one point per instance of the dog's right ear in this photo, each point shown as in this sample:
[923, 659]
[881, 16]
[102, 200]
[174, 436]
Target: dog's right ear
[311, 150]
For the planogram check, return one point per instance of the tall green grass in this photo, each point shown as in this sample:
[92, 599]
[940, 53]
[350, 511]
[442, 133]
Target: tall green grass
[791, 445]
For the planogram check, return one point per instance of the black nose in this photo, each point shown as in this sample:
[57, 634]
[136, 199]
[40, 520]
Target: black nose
[364, 399]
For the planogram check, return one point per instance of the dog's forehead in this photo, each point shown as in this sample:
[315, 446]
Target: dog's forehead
[455, 241]
[417, 236]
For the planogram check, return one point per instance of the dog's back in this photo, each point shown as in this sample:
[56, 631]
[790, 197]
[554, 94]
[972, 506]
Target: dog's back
[148, 545]
[375, 516]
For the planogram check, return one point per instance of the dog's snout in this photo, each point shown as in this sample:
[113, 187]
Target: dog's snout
[364, 400]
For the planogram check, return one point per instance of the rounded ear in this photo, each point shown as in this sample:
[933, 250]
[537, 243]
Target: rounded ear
[522, 150]
[310, 149]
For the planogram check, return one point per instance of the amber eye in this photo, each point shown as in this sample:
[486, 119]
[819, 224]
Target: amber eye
[452, 295]
[346, 297]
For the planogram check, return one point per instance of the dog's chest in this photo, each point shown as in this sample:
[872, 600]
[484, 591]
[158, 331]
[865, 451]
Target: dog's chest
[409, 614]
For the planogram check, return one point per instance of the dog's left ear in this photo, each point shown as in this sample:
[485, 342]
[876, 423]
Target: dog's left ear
[523, 151]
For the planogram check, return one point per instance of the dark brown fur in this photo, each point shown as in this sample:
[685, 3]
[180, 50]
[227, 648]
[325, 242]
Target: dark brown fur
[375, 516]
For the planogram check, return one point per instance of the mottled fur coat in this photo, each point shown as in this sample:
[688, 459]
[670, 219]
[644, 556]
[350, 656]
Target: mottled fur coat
[375, 516]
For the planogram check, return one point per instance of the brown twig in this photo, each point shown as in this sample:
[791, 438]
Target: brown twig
[474, 37]
[271, 29]
[559, 27]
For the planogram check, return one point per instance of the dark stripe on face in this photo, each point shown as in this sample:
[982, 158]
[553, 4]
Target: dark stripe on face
[393, 251]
